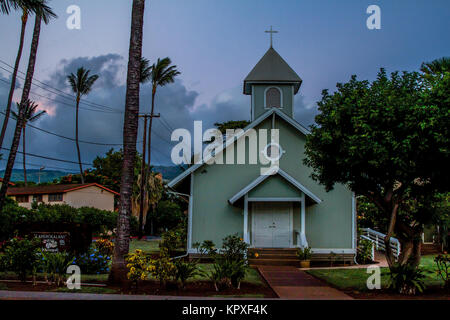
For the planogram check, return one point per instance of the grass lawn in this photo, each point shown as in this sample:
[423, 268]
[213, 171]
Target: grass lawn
[355, 279]
[100, 290]
[146, 246]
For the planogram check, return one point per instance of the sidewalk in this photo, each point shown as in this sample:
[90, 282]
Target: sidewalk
[29, 295]
[292, 283]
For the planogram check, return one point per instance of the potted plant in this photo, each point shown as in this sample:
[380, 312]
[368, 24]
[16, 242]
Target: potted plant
[304, 254]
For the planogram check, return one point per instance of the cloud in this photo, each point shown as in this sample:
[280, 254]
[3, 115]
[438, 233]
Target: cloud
[102, 121]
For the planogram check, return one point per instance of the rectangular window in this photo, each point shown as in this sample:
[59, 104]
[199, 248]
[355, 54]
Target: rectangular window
[55, 197]
[22, 199]
[37, 198]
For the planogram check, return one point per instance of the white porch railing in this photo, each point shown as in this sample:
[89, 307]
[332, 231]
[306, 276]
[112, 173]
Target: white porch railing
[378, 240]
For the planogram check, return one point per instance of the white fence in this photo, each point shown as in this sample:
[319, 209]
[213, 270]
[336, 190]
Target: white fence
[378, 240]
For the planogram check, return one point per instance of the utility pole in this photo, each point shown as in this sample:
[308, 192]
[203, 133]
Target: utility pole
[143, 174]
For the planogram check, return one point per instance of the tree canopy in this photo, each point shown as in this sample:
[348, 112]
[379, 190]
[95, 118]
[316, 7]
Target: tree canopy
[387, 140]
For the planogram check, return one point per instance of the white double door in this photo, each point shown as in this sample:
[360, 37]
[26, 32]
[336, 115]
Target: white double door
[272, 224]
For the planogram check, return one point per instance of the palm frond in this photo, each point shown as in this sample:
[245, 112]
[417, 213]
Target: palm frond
[82, 83]
[163, 73]
[146, 70]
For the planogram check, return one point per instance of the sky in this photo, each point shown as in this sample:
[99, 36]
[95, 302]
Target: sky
[215, 44]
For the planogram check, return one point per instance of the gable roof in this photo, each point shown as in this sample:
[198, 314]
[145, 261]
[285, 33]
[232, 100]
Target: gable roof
[273, 171]
[54, 188]
[272, 68]
[9, 183]
[232, 139]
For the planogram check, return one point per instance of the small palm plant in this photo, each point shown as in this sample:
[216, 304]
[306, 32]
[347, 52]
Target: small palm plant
[30, 114]
[81, 84]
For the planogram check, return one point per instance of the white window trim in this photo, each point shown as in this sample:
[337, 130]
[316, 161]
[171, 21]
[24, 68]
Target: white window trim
[281, 97]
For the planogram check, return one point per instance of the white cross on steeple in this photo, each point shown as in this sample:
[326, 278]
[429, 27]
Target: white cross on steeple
[271, 34]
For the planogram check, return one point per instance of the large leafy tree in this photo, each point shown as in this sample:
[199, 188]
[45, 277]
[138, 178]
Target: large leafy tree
[387, 140]
[42, 11]
[30, 114]
[231, 125]
[130, 130]
[81, 84]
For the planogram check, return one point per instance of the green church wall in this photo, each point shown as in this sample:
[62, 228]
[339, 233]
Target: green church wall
[328, 224]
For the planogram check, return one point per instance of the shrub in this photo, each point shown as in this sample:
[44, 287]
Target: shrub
[364, 253]
[12, 216]
[234, 248]
[93, 262]
[230, 263]
[163, 269]
[173, 239]
[138, 266]
[207, 248]
[185, 270]
[21, 257]
[443, 266]
[105, 247]
[406, 279]
[304, 254]
[55, 264]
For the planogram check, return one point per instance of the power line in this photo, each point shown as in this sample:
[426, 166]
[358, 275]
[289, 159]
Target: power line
[41, 165]
[48, 158]
[68, 138]
[60, 102]
[60, 92]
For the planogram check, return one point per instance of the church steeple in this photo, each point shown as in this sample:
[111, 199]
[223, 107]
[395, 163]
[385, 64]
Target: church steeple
[272, 83]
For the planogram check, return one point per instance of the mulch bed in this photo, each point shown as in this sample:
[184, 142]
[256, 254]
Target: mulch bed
[197, 289]
[194, 289]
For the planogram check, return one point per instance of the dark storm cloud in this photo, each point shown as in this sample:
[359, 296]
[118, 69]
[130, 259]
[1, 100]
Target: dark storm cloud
[103, 122]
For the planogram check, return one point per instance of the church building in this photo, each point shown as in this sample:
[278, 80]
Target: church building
[283, 209]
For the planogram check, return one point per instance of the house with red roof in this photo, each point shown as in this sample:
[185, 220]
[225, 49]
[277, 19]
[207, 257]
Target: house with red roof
[75, 195]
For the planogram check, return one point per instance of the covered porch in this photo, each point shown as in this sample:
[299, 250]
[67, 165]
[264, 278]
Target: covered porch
[274, 211]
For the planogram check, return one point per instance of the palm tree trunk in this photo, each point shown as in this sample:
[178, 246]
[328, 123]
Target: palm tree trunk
[24, 157]
[76, 139]
[14, 76]
[29, 77]
[12, 156]
[130, 130]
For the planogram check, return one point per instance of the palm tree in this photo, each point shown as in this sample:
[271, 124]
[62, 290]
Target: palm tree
[32, 5]
[81, 84]
[162, 74]
[12, 154]
[40, 8]
[130, 130]
[30, 114]
[145, 76]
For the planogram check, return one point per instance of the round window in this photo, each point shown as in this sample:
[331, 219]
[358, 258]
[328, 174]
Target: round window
[273, 152]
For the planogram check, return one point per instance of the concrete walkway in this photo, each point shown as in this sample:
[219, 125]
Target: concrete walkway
[292, 283]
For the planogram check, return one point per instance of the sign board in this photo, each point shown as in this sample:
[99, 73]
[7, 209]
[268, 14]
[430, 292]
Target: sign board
[53, 241]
